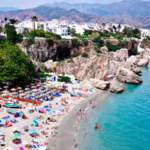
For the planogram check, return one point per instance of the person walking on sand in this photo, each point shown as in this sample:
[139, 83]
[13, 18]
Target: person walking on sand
[84, 132]
[84, 117]
[74, 143]
[77, 120]
[76, 129]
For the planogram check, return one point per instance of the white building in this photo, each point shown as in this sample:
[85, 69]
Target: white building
[30, 25]
[145, 32]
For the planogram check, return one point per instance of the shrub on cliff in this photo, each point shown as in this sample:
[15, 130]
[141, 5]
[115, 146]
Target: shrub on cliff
[75, 43]
[99, 40]
[113, 48]
[64, 79]
[85, 41]
[85, 54]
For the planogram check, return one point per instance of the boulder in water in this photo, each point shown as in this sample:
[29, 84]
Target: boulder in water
[127, 76]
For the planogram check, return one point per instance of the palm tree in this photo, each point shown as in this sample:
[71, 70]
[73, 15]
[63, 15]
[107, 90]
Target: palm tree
[1, 29]
[103, 24]
[34, 19]
[13, 21]
[114, 27]
[5, 20]
[25, 32]
[119, 27]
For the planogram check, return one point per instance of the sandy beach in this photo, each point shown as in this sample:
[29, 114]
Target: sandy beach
[65, 123]
[66, 132]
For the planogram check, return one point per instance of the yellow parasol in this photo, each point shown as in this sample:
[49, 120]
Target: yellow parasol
[5, 92]
[13, 89]
[19, 88]
[35, 90]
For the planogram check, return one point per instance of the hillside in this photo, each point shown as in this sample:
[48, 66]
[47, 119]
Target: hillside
[128, 7]
[133, 12]
[48, 13]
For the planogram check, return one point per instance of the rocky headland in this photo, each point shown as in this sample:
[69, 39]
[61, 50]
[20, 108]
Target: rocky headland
[95, 68]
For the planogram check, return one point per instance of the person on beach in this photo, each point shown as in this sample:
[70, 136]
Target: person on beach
[76, 129]
[84, 132]
[77, 120]
[74, 143]
[85, 117]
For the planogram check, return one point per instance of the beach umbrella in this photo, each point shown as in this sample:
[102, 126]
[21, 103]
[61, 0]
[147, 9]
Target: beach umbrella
[42, 109]
[33, 87]
[27, 89]
[21, 91]
[19, 88]
[23, 94]
[17, 134]
[46, 106]
[14, 129]
[35, 90]
[14, 93]
[31, 131]
[5, 92]
[13, 137]
[50, 116]
[24, 142]
[13, 89]
[31, 84]
[42, 148]
[34, 121]
[25, 127]
[6, 118]
[5, 87]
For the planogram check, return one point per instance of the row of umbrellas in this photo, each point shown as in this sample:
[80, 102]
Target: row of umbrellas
[26, 89]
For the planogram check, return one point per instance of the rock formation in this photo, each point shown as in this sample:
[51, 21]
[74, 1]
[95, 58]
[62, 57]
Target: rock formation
[127, 76]
[100, 84]
[116, 87]
[142, 62]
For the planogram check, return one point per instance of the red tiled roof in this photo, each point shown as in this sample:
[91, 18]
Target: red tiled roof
[23, 27]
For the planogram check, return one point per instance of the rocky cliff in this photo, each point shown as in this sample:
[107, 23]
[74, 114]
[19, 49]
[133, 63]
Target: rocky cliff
[124, 68]
[43, 51]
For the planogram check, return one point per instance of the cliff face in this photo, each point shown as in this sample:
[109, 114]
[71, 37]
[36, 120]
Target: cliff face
[43, 51]
[117, 63]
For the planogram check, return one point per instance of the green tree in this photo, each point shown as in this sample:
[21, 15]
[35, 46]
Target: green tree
[119, 27]
[72, 31]
[136, 31]
[13, 21]
[103, 25]
[5, 19]
[25, 32]
[16, 66]
[11, 33]
[34, 19]
[1, 29]
[126, 31]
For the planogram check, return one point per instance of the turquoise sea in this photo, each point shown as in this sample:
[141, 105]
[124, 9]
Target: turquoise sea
[124, 118]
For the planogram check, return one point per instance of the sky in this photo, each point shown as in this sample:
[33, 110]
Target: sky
[23, 4]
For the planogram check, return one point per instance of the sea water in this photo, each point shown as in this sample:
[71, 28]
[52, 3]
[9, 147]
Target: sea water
[124, 118]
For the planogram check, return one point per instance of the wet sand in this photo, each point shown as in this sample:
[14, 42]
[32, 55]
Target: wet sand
[66, 132]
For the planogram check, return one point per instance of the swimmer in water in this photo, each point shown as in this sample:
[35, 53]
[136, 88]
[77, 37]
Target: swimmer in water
[97, 127]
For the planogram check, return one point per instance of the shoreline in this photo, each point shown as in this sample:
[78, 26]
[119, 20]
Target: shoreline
[66, 132]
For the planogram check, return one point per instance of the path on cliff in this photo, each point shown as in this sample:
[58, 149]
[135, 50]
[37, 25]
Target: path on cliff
[139, 46]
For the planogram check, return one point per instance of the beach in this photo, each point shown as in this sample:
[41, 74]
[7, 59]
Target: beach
[54, 130]
[67, 134]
